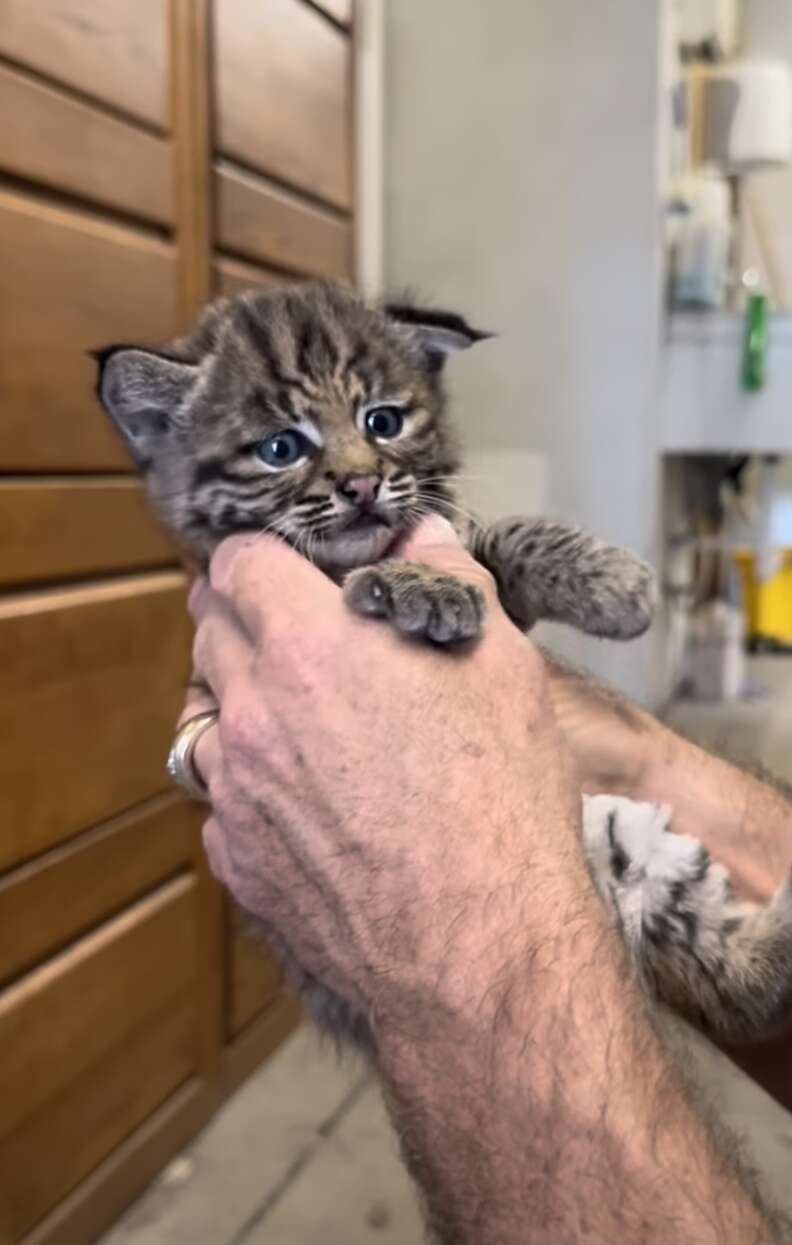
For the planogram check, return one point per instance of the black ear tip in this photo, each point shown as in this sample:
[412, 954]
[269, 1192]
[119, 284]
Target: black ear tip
[428, 318]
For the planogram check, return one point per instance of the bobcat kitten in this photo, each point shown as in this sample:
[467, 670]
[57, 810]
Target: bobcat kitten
[308, 413]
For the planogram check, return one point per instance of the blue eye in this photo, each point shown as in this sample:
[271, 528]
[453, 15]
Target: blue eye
[384, 422]
[283, 450]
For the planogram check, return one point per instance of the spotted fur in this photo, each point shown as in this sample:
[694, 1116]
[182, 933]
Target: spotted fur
[308, 366]
[725, 965]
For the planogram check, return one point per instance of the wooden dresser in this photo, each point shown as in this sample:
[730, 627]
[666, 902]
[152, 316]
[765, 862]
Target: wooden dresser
[151, 153]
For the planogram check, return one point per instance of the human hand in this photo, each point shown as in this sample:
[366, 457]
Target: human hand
[390, 808]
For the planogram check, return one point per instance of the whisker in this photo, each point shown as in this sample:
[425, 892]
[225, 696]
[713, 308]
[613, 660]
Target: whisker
[447, 505]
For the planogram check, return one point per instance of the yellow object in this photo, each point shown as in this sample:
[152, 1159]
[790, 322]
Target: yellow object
[768, 605]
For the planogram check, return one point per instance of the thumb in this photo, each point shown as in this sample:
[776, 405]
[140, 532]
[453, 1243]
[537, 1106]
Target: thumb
[435, 543]
[433, 530]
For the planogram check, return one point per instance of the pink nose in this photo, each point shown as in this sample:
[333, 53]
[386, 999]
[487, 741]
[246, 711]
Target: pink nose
[361, 490]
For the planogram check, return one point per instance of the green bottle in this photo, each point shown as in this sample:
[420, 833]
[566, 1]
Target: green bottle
[754, 364]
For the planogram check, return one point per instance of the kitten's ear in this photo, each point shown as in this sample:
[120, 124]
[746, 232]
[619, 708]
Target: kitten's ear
[141, 390]
[440, 332]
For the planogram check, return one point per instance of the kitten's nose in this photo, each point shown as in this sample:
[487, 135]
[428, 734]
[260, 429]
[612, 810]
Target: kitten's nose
[361, 490]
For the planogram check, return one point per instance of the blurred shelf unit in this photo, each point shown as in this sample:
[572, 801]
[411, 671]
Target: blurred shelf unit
[701, 405]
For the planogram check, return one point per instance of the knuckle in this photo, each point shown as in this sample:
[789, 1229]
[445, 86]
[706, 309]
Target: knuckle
[240, 724]
[227, 560]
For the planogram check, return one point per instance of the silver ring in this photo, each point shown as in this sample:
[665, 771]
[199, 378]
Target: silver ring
[181, 761]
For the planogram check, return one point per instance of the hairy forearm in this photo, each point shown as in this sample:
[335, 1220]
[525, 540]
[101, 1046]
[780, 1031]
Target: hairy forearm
[744, 819]
[549, 1111]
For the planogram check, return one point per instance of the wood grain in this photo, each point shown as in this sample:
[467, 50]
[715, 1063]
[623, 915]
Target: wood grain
[254, 979]
[50, 138]
[100, 1198]
[115, 51]
[189, 41]
[232, 276]
[283, 90]
[123, 974]
[70, 282]
[71, 889]
[53, 1150]
[61, 528]
[275, 227]
[91, 682]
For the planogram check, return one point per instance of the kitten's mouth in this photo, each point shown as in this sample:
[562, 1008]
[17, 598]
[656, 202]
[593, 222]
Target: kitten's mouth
[365, 521]
[359, 538]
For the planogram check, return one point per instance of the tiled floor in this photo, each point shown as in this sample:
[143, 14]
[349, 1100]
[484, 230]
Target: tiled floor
[303, 1154]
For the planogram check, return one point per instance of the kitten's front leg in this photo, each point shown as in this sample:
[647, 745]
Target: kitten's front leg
[555, 571]
[418, 600]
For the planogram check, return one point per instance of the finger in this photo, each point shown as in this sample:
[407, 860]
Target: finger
[216, 851]
[264, 578]
[435, 543]
[222, 653]
[196, 599]
[198, 699]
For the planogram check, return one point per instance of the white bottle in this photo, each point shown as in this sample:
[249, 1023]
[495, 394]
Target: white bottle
[700, 256]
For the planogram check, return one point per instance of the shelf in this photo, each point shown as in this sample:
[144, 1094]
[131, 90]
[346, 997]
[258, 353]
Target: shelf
[701, 406]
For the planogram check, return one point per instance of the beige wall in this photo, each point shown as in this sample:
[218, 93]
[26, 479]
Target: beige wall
[521, 189]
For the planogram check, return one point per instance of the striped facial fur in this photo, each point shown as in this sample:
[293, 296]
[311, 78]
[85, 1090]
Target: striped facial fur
[301, 411]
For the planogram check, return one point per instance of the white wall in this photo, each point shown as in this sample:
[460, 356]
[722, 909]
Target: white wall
[521, 189]
[767, 33]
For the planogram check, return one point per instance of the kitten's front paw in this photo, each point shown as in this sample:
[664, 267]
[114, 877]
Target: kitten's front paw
[418, 601]
[623, 593]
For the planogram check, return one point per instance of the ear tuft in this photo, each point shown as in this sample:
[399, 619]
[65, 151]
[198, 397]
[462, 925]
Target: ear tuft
[440, 332]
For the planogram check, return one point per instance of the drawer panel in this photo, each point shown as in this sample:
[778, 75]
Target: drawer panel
[91, 682]
[254, 980]
[70, 282]
[70, 890]
[115, 51]
[273, 226]
[62, 528]
[231, 276]
[90, 1044]
[48, 1155]
[283, 91]
[126, 972]
[50, 138]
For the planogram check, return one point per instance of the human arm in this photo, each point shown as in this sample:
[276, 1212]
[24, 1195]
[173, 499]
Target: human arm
[744, 819]
[408, 820]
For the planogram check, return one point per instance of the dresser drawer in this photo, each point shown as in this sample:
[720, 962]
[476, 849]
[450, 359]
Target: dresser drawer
[114, 51]
[68, 144]
[274, 226]
[67, 892]
[69, 283]
[283, 86]
[90, 1044]
[254, 977]
[91, 682]
[61, 528]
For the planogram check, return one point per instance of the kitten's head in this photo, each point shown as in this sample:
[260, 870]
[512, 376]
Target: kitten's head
[302, 411]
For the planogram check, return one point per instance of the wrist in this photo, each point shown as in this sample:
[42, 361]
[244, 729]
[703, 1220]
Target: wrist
[737, 816]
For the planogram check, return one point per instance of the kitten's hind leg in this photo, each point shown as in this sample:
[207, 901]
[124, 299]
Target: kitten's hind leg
[726, 966]
[555, 571]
